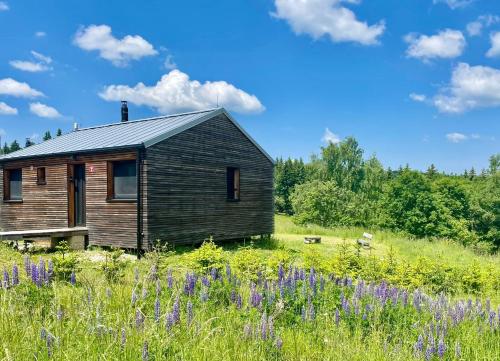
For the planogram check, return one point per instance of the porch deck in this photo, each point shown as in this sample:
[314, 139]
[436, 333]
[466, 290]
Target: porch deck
[75, 236]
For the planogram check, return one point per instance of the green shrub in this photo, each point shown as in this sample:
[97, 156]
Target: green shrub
[208, 256]
[247, 263]
[113, 267]
[65, 263]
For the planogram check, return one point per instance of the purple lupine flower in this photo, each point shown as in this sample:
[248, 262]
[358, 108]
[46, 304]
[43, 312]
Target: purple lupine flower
[203, 295]
[50, 271]
[139, 319]
[34, 275]
[492, 316]
[176, 312]
[312, 280]
[123, 338]
[321, 283]
[281, 272]
[170, 321]
[263, 326]
[157, 310]
[441, 348]
[145, 351]
[228, 272]
[60, 313]
[190, 284]
[213, 273]
[50, 343]
[72, 279]
[43, 334]
[153, 273]
[255, 298]
[15, 275]
[419, 345]
[205, 281]
[134, 297]
[189, 312]
[170, 279]
[428, 353]
[337, 316]
[279, 343]
[312, 312]
[6, 279]
[239, 302]
[42, 273]
[303, 313]
[27, 265]
[144, 292]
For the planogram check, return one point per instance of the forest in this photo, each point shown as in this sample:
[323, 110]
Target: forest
[340, 187]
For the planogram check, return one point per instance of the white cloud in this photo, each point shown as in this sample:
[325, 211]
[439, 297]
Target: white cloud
[169, 63]
[28, 66]
[495, 45]
[446, 44]
[456, 137]
[40, 34]
[2, 133]
[4, 6]
[454, 4]
[470, 87]
[330, 137]
[475, 28]
[176, 92]
[118, 51]
[31, 66]
[9, 86]
[418, 97]
[6, 109]
[318, 18]
[44, 111]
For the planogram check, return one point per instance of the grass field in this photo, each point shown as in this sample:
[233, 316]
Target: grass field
[235, 302]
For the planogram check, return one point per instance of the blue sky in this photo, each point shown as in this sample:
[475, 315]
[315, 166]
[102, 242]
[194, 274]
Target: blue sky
[415, 81]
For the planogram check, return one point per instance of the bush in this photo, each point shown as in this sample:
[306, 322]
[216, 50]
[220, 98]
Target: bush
[114, 268]
[207, 257]
[247, 263]
[65, 263]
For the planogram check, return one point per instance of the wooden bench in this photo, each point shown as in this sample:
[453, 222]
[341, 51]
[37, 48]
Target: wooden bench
[309, 240]
[74, 236]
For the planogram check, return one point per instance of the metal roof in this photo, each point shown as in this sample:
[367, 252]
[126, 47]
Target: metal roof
[136, 133]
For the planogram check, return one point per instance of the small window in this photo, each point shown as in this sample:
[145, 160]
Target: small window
[13, 184]
[40, 176]
[233, 184]
[122, 182]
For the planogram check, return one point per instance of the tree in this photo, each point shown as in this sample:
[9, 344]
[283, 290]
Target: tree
[29, 143]
[494, 163]
[431, 171]
[59, 132]
[14, 146]
[47, 136]
[344, 163]
[5, 149]
[288, 174]
[472, 173]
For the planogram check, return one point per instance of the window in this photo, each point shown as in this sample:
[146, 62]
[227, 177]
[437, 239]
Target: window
[40, 176]
[233, 184]
[122, 183]
[12, 184]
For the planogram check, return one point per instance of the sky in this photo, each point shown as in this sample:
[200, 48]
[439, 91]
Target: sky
[415, 82]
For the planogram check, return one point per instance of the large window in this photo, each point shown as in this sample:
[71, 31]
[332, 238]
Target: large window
[122, 180]
[13, 185]
[233, 184]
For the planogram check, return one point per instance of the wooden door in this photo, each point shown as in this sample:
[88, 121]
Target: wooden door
[76, 195]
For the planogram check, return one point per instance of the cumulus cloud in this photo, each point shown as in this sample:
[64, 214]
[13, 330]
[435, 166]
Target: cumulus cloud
[9, 86]
[330, 137]
[475, 28]
[4, 6]
[456, 137]
[33, 66]
[5, 109]
[44, 111]
[176, 92]
[418, 97]
[495, 45]
[318, 18]
[446, 44]
[169, 63]
[40, 34]
[454, 4]
[470, 87]
[118, 51]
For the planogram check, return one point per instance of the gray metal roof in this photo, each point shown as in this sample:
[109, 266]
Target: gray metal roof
[137, 133]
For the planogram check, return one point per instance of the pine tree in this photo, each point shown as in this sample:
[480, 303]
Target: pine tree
[5, 149]
[14, 146]
[472, 173]
[47, 136]
[29, 143]
[431, 171]
[59, 132]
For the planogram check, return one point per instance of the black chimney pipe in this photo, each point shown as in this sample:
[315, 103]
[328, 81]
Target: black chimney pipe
[124, 111]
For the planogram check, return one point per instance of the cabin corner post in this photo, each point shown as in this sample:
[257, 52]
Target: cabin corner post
[139, 158]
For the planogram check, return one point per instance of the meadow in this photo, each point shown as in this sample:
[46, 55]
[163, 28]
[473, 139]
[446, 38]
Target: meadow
[271, 299]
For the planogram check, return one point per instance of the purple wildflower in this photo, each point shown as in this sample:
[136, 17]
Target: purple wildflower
[190, 284]
[50, 271]
[157, 310]
[279, 343]
[123, 338]
[303, 313]
[239, 302]
[145, 351]
[419, 345]
[281, 272]
[228, 272]
[176, 311]
[34, 275]
[204, 295]
[139, 319]
[263, 326]
[170, 321]
[27, 265]
[72, 279]
[42, 273]
[15, 275]
[205, 282]
[270, 326]
[213, 273]
[170, 279]
[6, 280]
[134, 297]
[441, 348]
[337, 316]
[50, 343]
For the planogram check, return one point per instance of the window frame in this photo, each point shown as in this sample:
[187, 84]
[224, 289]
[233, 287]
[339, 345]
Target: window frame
[7, 194]
[233, 178]
[111, 196]
[41, 181]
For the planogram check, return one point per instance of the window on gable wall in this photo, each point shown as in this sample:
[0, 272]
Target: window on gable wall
[233, 184]
[13, 185]
[41, 176]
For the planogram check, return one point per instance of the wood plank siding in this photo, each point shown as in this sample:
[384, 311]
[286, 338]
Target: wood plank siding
[186, 190]
[46, 206]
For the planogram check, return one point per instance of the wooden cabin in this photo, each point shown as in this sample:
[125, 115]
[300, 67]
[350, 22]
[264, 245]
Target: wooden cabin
[179, 179]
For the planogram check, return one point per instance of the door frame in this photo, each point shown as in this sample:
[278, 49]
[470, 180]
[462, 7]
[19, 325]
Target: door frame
[71, 193]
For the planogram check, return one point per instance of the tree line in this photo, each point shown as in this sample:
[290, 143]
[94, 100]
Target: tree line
[339, 187]
[15, 146]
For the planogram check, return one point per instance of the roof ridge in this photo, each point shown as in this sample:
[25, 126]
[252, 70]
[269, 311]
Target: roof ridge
[150, 118]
